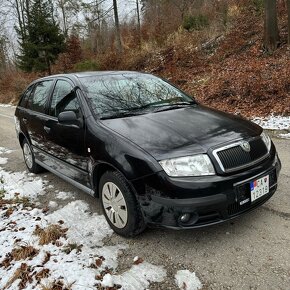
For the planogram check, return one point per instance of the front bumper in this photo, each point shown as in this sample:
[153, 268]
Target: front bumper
[207, 200]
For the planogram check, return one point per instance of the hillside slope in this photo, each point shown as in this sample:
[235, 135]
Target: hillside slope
[232, 72]
[229, 70]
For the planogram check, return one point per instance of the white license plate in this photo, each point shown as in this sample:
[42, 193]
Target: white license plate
[259, 187]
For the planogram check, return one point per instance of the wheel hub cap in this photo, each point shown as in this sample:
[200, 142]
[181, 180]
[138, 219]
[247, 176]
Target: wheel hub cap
[27, 155]
[115, 205]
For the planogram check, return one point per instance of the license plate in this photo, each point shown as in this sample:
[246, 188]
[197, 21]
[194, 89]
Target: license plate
[259, 187]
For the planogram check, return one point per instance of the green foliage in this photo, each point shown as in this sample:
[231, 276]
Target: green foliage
[197, 22]
[42, 40]
[87, 65]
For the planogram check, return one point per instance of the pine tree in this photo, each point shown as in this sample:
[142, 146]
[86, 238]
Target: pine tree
[42, 41]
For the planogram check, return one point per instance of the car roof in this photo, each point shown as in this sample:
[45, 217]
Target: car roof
[88, 74]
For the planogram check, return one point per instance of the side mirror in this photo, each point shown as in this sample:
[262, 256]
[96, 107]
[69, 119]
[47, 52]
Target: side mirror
[68, 118]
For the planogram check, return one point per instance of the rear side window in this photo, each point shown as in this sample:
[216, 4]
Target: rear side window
[39, 96]
[25, 96]
[64, 99]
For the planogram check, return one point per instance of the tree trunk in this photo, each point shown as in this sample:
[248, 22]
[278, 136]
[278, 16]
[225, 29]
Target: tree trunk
[61, 4]
[271, 36]
[288, 10]
[117, 27]
[139, 24]
[20, 23]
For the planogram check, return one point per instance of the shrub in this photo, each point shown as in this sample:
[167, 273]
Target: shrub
[86, 65]
[195, 22]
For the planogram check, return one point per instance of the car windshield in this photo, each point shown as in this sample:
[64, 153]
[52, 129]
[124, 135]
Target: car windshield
[129, 94]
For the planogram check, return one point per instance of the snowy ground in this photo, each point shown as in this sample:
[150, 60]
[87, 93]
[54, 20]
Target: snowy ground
[273, 122]
[62, 246]
[7, 106]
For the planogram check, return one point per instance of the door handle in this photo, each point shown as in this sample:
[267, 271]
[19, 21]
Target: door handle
[24, 120]
[46, 129]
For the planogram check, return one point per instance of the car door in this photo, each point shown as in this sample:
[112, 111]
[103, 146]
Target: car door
[35, 115]
[67, 141]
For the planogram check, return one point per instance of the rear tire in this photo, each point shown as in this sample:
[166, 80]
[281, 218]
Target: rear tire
[120, 206]
[29, 158]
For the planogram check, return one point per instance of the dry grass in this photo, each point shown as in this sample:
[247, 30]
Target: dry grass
[23, 273]
[70, 247]
[15, 201]
[7, 261]
[12, 84]
[44, 273]
[9, 212]
[50, 234]
[56, 285]
[23, 252]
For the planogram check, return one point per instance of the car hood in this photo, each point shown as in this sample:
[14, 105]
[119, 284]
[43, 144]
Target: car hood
[183, 131]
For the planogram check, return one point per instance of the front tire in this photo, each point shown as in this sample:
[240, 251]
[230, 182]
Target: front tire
[29, 158]
[120, 205]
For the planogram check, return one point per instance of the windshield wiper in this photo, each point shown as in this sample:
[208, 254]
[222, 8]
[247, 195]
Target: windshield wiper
[119, 115]
[139, 110]
[167, 107]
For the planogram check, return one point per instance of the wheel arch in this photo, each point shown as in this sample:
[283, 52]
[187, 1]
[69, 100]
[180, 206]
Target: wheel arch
[99, 169]
[21, 138]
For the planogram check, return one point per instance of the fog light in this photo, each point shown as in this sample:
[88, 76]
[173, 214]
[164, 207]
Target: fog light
[184, 218]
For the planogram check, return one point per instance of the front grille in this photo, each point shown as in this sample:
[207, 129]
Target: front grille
[243, 191]
[236, 157]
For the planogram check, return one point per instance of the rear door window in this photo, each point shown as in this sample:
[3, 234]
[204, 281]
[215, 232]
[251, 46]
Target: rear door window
[25, 96]
[64, 99]
[40, 94]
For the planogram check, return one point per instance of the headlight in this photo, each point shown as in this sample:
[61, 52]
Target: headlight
[196, 165]
[267, 140]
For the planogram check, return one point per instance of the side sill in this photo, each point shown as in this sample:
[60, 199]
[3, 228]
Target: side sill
[69, 180]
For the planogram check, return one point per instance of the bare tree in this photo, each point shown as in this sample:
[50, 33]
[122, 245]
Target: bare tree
[288, 12]
[182, 6]
[138, 23]
[271, 35]
[117, 27]
[69, 10]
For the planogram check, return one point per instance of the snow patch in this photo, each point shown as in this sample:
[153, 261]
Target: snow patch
[5, 150]
[7, 106]
[138, 277]
[187, 280]
[52, 204]
[273, 122]
[285, 136]
[75, 267]
[3, 160]
[86, 231]
[84, 227]
[20, 182]
[64, 195]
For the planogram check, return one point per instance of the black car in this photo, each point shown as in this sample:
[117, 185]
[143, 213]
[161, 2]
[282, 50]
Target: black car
[151, 153]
